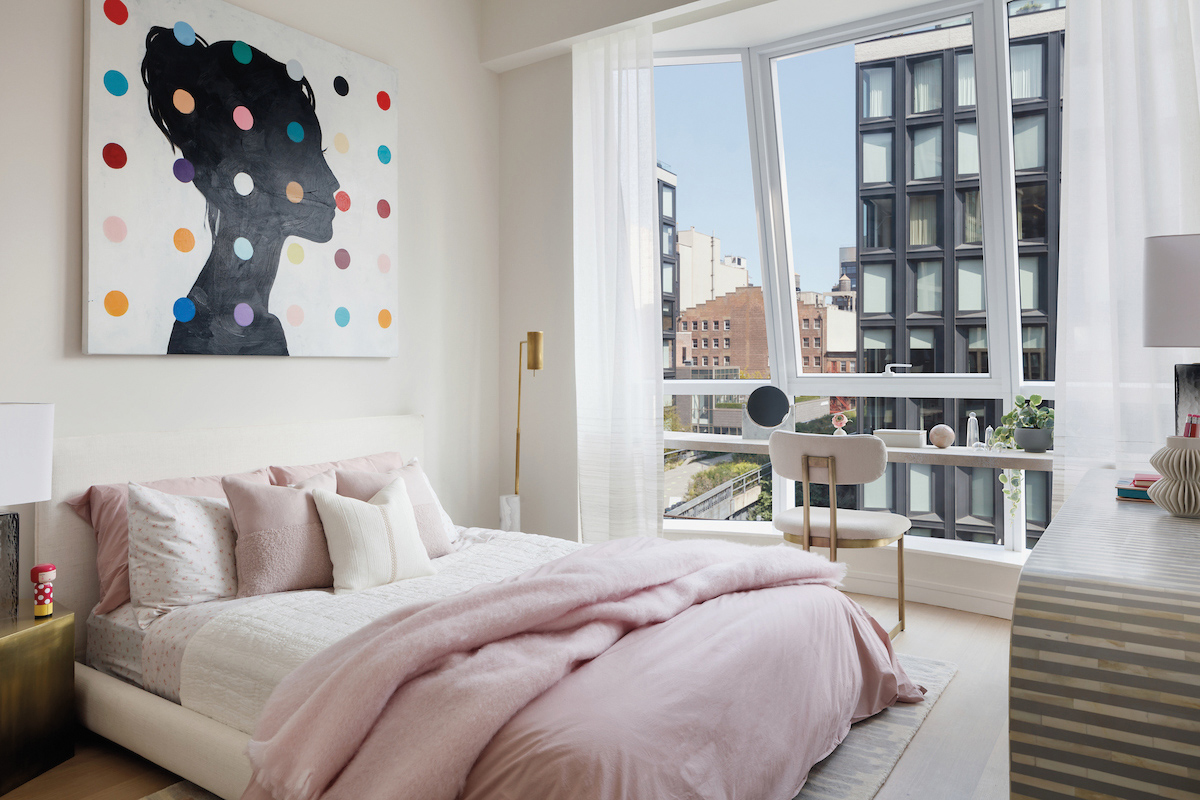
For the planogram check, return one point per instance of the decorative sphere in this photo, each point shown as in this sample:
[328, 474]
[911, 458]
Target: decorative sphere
[941, 436]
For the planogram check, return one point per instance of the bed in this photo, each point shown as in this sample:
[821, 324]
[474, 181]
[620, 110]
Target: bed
[186, 693]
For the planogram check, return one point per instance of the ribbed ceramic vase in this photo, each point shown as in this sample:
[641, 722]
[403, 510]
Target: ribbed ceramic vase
[1178, 492]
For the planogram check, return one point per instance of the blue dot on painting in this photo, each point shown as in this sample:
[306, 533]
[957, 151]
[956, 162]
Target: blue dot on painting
[241, 51]
[185, 310]
[295, 131]
[115, 83]
[185, 34]
[342, 317]
[242, 248]
[385, 155]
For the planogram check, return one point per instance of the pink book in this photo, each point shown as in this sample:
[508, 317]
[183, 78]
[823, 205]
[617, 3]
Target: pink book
[1142, 480]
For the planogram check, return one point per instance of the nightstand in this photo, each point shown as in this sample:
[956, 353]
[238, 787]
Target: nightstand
[37, 693]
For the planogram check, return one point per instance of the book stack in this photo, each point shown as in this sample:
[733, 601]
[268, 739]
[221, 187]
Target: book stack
[1136, 489]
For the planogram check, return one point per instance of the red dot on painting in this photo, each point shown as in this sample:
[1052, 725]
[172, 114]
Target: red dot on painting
[116, 11]
[384, 209]
[343, 201]
[384, 100]
[114, 155]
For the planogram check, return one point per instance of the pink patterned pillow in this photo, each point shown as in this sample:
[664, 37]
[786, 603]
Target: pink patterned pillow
[105, 508]
[180, 551]
[280, 541]
[436, 529]
[379, 462]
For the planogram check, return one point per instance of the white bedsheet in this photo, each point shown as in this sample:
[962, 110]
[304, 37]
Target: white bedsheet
[233, 662]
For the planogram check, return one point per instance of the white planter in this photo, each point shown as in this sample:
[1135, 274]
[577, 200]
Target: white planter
[1178, 492]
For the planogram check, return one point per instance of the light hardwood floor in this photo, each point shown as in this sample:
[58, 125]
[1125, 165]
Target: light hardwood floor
[960, 752]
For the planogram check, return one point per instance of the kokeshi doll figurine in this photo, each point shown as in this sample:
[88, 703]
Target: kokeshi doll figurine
[43, 592]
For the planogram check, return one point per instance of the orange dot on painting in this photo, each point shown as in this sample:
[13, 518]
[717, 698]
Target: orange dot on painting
[385, 319]
[343, 201]
[184, 102]
[184, 240]
[116, 303]
[295, 192]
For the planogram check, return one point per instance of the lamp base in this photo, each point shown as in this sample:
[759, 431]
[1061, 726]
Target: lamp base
[10, 554]
[1178, 491]
[510, 512]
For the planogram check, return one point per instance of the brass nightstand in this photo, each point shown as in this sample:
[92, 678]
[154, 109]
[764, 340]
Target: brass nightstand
[37, 693]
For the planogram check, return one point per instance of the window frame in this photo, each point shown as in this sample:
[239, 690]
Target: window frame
[996, 181]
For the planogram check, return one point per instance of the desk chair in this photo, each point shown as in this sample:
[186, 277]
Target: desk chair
[837, 461]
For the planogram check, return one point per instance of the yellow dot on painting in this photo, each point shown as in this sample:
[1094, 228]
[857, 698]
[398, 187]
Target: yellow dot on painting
[116, 303]
[295, 253]
[295, 192]
[385, 319]
[184, 240]
[184, 102]
[341, 143]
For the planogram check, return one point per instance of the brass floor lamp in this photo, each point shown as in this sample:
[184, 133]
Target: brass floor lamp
[535, 360]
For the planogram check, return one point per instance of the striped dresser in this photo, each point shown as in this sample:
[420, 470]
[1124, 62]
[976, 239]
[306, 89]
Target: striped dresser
[1104, 681]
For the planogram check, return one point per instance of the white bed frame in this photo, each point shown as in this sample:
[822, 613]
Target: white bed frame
[191, 745]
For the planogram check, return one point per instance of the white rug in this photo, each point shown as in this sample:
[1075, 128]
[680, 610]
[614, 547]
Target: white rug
[859, 766]
[855, 771]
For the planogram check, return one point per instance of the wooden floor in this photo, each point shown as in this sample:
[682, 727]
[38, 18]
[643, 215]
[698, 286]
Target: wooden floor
[960, 752]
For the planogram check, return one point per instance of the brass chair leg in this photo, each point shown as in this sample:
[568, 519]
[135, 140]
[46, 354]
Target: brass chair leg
[899, 585]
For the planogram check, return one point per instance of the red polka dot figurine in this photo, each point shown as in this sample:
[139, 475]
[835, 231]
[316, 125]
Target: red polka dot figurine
[43, 592]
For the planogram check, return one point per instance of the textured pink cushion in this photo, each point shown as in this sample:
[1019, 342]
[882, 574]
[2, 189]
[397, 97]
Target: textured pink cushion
[380, 462]
[280, 542]
[432, 522]
[106, 508]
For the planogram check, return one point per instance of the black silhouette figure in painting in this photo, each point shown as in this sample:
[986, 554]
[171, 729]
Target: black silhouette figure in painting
[247, 129]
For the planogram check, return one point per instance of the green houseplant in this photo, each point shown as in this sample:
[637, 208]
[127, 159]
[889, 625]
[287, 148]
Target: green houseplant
[1028, 426]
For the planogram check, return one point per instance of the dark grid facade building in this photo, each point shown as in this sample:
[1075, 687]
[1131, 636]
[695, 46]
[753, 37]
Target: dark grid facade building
[669, 259]
[920, 282]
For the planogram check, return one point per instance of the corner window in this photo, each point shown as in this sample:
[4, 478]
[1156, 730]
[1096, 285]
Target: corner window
[876, 92]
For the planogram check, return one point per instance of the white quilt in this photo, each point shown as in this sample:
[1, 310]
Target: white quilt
[232, 664]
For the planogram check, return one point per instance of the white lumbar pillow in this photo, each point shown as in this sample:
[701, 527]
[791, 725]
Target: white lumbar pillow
[372, 543]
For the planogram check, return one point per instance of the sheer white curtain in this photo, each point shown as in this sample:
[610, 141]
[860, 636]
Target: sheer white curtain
[1025, 62]
[1131, 169]
[618, 356]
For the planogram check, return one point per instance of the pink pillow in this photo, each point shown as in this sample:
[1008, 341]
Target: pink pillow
[106, 508]
[433, 523]
[380, 462]
[280, 542]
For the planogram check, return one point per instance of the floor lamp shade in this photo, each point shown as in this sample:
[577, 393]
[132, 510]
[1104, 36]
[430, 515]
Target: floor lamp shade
[26, 447]
[1172, 286]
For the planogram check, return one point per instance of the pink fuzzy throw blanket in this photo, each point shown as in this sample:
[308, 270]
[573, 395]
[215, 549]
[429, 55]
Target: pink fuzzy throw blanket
[405, 706]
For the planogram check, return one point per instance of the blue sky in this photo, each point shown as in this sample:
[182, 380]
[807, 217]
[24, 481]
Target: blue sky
[700, 118]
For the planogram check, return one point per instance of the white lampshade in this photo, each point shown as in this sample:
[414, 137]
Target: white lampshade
[26, 447]
[1172, 291]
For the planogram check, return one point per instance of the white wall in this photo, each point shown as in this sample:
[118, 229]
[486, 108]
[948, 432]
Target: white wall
[449, 240]
[537, 292]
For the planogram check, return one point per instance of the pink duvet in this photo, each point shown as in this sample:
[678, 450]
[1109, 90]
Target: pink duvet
[636, 669]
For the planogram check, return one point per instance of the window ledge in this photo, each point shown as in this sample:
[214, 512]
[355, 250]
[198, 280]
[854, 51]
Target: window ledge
[765, 534]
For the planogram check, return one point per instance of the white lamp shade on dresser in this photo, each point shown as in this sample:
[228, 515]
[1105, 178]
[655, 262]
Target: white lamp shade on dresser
[1172, 289]
[26, 448]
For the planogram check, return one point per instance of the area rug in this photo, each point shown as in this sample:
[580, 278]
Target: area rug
[855, 771]
[861, 764]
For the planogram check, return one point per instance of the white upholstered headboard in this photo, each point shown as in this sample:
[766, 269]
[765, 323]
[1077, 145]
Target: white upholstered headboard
[79, 462]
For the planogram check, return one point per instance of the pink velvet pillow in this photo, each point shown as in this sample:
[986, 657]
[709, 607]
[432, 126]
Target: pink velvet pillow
[280, 541]
[106, 508]
[433, 523]
[380, 462]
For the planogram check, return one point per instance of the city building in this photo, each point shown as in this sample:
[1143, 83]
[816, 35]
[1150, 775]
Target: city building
[704, 274]
[670, 270]
[920, 277]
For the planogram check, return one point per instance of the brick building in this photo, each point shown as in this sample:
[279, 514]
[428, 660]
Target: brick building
[731, 331]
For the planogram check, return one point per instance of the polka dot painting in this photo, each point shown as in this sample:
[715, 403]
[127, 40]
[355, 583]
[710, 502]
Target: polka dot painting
[153, 235]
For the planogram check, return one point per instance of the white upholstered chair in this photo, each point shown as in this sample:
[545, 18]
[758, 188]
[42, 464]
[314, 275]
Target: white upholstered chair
[837, 461]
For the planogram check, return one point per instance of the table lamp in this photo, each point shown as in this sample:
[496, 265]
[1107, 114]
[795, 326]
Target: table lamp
[26, 447]
[1172, 286]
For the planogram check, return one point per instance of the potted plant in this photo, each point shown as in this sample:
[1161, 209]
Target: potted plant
[1028, 426]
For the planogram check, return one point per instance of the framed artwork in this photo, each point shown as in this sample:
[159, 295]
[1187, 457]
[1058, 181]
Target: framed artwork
[241, 187]
[1187, 394]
